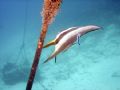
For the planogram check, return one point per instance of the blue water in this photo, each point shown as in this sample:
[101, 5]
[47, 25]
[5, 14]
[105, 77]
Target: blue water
[94, 65]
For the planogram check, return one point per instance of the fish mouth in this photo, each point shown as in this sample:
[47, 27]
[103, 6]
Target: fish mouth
[99, 27]
[53, 42]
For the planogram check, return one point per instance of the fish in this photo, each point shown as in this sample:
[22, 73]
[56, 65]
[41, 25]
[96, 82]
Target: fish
[68, 39]
[59, 36]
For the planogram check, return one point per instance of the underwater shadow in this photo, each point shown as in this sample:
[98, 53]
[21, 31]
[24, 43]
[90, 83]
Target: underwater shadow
[12, 74]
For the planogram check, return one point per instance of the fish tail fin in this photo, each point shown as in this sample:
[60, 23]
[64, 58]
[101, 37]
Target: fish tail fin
[53, 42]
[50, 57]
[45, 61]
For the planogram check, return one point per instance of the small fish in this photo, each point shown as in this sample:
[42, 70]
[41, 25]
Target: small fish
[68, 39]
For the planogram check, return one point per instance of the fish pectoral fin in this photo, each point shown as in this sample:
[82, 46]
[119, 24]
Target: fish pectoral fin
[55, 59]
[78, 39]
[53, 42]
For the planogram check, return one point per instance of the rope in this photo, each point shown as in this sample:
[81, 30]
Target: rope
[22, 50]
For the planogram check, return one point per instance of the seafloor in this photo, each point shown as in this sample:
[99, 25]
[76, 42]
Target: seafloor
[94, 65]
